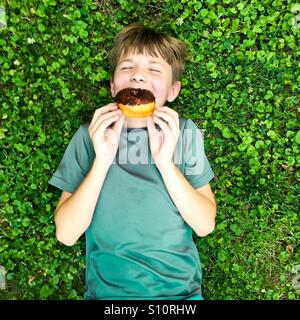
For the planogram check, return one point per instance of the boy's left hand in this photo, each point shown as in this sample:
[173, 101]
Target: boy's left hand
[163, 143]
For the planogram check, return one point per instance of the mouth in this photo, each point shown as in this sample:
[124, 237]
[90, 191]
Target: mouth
[136, 91]
[134, 96]
[136, 102]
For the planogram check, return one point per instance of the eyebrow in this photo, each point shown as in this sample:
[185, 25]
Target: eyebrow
[126, 60]
[155, 62]
[150, 61]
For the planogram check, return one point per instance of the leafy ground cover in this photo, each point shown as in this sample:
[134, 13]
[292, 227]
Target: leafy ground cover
[241, 85]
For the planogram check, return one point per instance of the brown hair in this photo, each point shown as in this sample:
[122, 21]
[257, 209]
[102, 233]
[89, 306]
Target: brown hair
[140, 39]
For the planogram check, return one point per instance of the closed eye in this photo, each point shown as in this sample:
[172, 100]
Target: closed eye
[155, 70]
[125, 68]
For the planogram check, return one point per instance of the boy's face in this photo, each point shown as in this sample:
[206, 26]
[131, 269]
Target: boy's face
[146, 72]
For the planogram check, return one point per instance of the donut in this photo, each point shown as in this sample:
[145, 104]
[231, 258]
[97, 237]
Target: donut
[136, 103]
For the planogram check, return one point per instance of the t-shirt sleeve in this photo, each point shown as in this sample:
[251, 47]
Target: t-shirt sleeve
[197, 169]
[75, 163]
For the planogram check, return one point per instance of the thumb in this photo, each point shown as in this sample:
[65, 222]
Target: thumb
[118, 125]
[151, 127]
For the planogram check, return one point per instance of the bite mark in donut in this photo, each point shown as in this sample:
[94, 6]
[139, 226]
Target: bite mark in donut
[136, 103]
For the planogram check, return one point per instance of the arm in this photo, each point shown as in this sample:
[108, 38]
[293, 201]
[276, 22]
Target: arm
[75, 211]
[197, 207]
[74, 215]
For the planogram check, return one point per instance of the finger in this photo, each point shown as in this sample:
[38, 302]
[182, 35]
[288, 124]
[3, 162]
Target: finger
[102, 118]
[103, 124]
[155, 136]
[153, 129]
[173, 113]
[165, 128]
[113, 134]
[119, 124]
[99, 112]
[102, 110]
[150, 125]
[171, 122]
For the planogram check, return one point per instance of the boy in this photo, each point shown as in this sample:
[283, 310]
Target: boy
[138, 216]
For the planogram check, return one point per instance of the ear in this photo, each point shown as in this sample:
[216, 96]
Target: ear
[174, 91]
[112, 88]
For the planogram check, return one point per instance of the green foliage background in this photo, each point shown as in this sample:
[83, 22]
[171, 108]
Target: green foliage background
[241, 86]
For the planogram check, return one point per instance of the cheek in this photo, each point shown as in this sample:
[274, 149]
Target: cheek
[118, 83]
[162, 95]
[160, 101]
[120, 76]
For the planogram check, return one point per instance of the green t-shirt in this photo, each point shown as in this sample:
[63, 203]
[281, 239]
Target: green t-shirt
[137, 245]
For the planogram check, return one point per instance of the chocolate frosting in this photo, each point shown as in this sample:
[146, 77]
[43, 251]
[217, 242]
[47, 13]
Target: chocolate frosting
[133, 96]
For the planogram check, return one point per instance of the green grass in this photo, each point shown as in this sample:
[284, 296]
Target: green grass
[240, 85]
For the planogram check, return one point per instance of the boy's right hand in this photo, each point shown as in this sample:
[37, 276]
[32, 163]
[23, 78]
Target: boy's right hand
[105, 139]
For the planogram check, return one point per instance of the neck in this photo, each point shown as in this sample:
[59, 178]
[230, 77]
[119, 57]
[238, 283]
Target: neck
[135, 123]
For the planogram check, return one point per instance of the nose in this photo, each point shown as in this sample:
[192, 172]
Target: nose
[138, 76]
